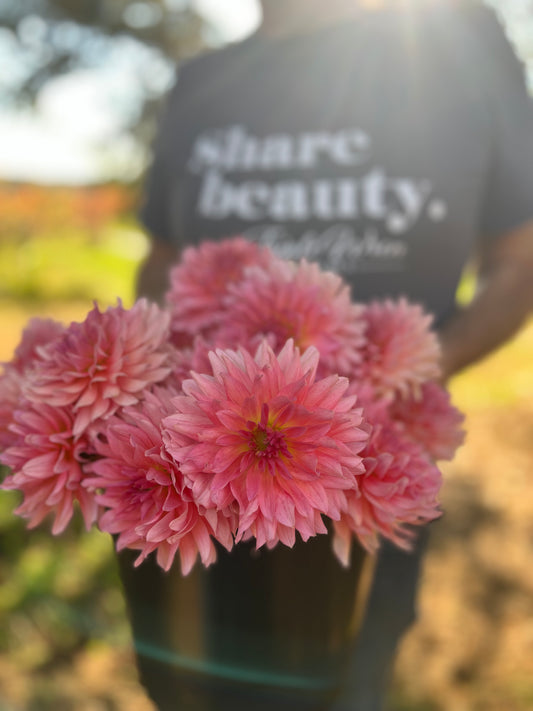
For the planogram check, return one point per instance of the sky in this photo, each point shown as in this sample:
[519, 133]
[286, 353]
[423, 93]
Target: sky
[77, 114]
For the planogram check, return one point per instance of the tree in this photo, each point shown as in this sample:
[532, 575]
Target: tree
[45, 39]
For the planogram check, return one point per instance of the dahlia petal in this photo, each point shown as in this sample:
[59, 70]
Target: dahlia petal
[81, 422]
[166, 554]
[40, 466]
[63, 516]
[89, 397]
[342, 542]
[284, 511]
[287, 535]
[159, 530]
[124, 399]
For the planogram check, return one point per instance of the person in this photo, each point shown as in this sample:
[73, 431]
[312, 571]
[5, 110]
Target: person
[391, 141]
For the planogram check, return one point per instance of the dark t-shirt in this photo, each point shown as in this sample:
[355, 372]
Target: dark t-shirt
[385, 148]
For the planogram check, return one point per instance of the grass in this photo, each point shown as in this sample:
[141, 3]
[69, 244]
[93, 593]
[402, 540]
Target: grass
[71, 266]
[61, 276]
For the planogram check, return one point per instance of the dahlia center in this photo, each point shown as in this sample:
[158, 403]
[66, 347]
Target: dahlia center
[268, 442]
[284, 325]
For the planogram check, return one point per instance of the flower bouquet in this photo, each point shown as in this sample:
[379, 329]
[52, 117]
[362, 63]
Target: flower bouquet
[261, 418]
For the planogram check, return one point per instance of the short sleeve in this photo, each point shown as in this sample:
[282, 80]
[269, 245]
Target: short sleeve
[508, 194]
[157, 212]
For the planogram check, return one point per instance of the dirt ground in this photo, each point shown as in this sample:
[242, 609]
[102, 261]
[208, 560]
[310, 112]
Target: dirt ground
[472, 649]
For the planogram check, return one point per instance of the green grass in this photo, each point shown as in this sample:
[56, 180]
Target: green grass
[71, 267]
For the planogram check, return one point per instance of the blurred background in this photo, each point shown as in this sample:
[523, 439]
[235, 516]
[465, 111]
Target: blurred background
[81, 84]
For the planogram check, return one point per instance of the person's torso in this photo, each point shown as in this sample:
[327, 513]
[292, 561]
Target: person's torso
[364, 148]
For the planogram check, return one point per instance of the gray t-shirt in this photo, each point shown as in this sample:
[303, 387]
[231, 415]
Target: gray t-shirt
[385, 148]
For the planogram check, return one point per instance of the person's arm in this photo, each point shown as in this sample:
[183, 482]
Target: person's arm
[152, 277]
[505, 297]
[501, 306]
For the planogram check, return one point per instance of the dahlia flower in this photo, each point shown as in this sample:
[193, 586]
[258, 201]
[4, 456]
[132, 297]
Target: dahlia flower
[104, 362]
[10, 390]
[164, 427]
[140, 486]
[397, 491]
[401, 351]
[48, 462]
[263, 437]
[37, 334]
[431, 420]
[194, 357]
[199, 283]
[301, 302]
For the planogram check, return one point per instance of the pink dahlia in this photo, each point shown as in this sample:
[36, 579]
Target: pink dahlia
[401, 351]
[10, 391]
[103, 363]
[38, 333]
[195, 357]
[48, 462]
[263, 437]
[301, 302]
[199, 283]
[398, 490]
[431, 420]
[142, 490]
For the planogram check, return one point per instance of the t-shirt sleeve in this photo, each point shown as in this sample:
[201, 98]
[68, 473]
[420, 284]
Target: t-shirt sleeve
[508, 195]
[158, 207]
